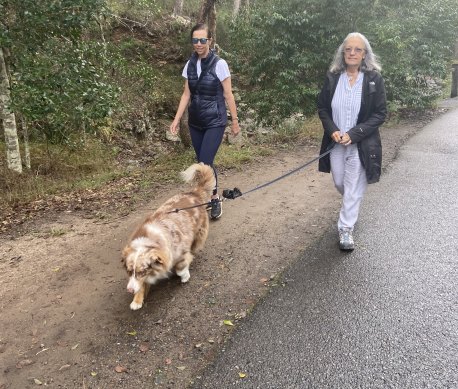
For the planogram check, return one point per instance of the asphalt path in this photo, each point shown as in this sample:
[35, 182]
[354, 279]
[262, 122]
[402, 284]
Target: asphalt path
[382, 316]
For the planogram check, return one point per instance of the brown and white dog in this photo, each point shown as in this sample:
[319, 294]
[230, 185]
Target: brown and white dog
[167, 241]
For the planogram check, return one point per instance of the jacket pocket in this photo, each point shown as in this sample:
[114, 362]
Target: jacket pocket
[373, 164]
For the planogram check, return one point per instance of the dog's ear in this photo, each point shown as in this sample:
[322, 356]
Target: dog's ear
[125, 253]
[158, 256]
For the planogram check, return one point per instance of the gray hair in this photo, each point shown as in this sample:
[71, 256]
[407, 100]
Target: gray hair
[370, 61]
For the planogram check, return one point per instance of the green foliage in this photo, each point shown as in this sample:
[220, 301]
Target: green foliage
[148, 87]
[282, 51]
[271, 61]
[59, 77]
[65, 92]
[143, 11]
[415, 41]
[29, 23]
[66, 80]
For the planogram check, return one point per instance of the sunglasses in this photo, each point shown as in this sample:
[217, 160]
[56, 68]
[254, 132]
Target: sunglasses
[195, 41]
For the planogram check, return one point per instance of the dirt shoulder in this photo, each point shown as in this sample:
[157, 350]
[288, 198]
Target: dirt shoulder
[65, 314]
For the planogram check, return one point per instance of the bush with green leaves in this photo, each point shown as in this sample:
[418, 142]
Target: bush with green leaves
[277, 61]
[415, 41]
[66, 92]
[59, 76]
[281, 51]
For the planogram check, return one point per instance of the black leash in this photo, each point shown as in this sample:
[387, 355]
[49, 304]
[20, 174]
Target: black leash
[176, 210]
[232, 194]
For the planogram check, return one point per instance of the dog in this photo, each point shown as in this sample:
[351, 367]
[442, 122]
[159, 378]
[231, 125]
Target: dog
[168, 239]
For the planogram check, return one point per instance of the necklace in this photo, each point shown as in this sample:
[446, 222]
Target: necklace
[350, 78]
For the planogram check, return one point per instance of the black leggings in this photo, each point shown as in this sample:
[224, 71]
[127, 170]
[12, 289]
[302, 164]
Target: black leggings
[206, 143]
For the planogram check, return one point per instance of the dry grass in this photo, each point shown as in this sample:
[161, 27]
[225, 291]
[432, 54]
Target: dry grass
[56, 171]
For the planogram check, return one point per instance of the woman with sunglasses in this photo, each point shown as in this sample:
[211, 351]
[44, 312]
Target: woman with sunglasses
[208, 88]
[352, 107]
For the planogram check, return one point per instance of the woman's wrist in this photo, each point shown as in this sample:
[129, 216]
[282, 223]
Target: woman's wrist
[236, 119]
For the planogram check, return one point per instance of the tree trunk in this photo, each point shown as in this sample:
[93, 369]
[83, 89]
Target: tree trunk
[207, 15]
[236, 9]
[25, 131]
[13, 154]
[178, 8]
[454, 91]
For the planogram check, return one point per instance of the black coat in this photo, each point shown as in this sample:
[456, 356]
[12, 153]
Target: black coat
[366, 133]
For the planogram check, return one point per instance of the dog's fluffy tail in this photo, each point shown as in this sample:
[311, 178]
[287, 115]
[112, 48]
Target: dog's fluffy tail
[200, 175]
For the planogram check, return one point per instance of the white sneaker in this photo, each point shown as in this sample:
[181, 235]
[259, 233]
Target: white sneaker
[346, 241]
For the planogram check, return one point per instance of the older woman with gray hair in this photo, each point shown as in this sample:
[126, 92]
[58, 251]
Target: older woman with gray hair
[352, 107]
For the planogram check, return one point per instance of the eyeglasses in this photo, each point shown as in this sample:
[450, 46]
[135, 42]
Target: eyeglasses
[348, 50]
[195, 41]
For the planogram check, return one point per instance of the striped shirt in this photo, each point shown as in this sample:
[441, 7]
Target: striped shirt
[346, 102]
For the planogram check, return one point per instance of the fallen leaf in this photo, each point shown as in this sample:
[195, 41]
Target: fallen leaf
[181, 368]
[144, 347]
[132, 333]
[120, 369]
[228, 322]
[93, 373]
[56, 269]
[198, 345]
[242, 375]
[37, 381]
[75, 346]
[64, 367]
[25, 362]
[45, 349]
[211, 341]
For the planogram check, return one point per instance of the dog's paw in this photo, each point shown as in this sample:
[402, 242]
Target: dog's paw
[185, 279]
[134, 306]
[184, 275]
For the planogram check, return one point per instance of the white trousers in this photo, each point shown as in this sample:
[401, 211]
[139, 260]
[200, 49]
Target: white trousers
[350, 180]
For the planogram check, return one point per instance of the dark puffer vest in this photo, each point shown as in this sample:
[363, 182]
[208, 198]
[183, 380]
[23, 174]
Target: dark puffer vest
[208, 106]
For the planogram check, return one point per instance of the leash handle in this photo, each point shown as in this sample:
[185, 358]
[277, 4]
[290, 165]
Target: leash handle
[232, 194]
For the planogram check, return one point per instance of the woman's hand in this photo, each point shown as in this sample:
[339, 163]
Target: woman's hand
[235, 128]
[184, 101]
[345, 140]
[336, 136]
[174, 127]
